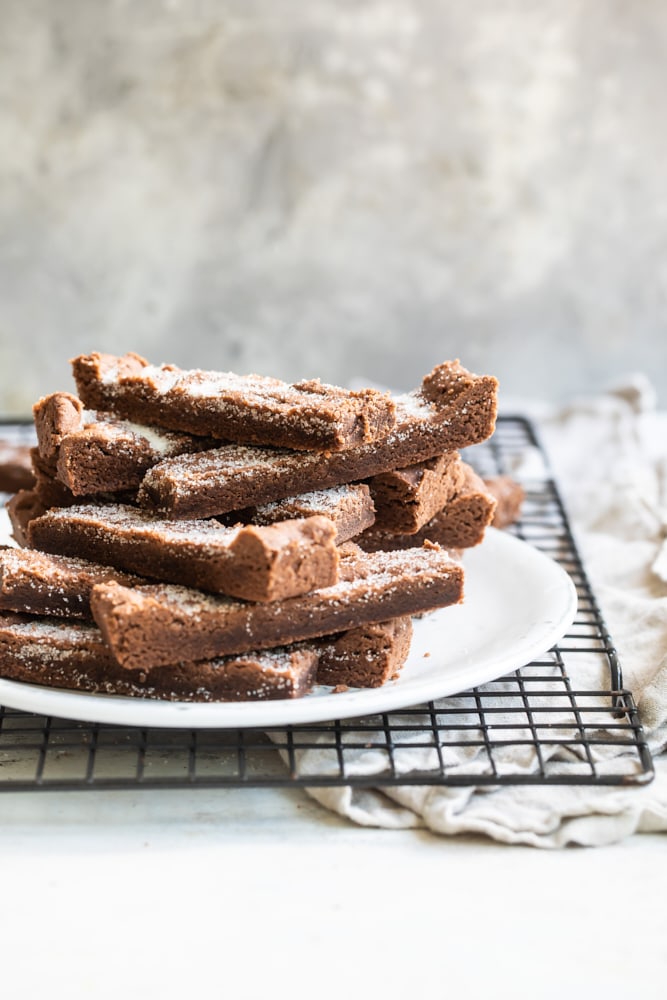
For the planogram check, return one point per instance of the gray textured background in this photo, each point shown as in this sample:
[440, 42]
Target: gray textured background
[335, 188]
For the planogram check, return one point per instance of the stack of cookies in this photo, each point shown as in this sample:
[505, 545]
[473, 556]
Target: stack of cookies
[204, 536]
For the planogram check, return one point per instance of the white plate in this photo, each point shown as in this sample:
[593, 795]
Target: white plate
[518, 603]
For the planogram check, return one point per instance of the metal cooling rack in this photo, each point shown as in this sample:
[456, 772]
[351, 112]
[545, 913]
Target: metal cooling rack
[565, 733]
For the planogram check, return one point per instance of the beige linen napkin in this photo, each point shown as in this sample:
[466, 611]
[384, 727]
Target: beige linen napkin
[609, 455]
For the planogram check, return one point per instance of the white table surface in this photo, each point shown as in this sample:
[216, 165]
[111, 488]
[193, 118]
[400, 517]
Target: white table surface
[246, 893]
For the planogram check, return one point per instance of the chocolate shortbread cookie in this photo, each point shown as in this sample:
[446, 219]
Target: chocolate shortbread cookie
[157, 625]
[509, 496]
[55, 416]
[406, 499]
[72, 655]
[51, 492]
[22, 508]
[43, 584]
[366, 656]
[252, 562]
[15, 468]
[429, 423]
[251, 409]
[459, 525]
